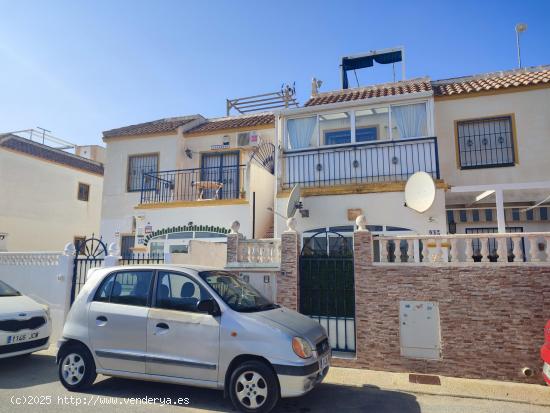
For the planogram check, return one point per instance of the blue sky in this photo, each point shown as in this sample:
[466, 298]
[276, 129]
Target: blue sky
[81, 67]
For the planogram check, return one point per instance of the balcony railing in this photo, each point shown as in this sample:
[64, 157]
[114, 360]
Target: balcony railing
[361, 163]
[197, 184]
[257, 253]
[463, 248]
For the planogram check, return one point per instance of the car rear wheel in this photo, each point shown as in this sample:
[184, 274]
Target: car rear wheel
[254, 388]
[76, 368]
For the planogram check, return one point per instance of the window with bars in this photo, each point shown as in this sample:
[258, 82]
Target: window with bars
[83, 192]
[139, 165]
[486, 143]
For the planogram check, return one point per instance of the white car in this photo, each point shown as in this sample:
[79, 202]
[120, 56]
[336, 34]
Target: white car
[25, 325]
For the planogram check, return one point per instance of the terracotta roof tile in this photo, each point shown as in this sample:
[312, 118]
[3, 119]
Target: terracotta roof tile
[41, 151]
[492, 81]
[234, 122]
[156, 126]
[386, 89]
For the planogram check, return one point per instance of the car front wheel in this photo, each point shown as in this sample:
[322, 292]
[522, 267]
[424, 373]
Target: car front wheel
[254, 388]
[76, 368]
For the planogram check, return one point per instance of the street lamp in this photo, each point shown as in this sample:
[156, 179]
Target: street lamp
[520, 28]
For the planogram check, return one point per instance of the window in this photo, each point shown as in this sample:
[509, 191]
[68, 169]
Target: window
[126, 245]
[371, 124]
[178, 292]
[488, 215]
[529, 214]
[462, 215]
[515, 214]
[126, 287]
[543, 213]
[302, 132]
[485, 143]
[335, 128]
[138, 165]
[409, 121]
[83, 192]
[475, 215]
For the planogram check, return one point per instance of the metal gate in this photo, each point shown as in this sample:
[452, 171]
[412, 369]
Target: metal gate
[327, 292]
[90, 253]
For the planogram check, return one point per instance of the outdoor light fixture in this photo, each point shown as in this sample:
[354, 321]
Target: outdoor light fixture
[520, 28]
[452, 227]
[189, 153]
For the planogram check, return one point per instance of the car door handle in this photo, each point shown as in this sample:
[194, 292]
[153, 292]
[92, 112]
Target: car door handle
[161, 328]
[101, 320]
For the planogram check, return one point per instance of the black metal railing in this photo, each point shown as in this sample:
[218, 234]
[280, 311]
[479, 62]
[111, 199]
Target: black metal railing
[141, 258]
[361, 163]
[195, 184]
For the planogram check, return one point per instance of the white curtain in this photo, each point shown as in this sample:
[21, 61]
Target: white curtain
[300, 132]
[410, 120]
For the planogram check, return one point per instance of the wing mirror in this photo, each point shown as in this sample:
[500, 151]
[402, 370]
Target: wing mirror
[209, 306]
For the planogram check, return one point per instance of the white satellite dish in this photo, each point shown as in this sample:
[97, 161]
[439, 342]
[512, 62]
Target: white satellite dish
[293, 202]
[420, 192]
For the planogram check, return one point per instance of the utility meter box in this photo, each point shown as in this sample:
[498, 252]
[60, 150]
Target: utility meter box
[419, 330]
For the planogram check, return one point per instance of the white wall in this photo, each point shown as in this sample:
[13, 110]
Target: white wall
[262, 183]
[211, 254]
[382, 208]
[45, 277]
[532, 116]
[39, 208]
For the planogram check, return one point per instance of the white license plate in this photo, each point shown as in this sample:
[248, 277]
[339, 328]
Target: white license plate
[546, 370]
[20, 338]
[324, 362]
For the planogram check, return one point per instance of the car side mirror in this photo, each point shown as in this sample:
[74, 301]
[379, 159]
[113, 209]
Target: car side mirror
[209, 306]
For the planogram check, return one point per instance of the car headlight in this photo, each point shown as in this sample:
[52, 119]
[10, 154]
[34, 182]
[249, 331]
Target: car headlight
[301, 348]
[47, 311]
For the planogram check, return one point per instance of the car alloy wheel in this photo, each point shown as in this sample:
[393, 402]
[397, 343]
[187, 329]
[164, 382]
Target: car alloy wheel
[251, 389]
[73, 369]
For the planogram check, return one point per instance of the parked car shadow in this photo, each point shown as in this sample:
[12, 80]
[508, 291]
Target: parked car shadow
[28, 370]
[328, 398]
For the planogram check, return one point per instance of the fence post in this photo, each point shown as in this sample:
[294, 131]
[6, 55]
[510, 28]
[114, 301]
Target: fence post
[362, 260]
[112, 260]
[65, 275]
[288, 292]
[233, 242]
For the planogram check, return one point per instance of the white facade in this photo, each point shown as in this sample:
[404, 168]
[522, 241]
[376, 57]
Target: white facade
[39, 208]
[171, 210]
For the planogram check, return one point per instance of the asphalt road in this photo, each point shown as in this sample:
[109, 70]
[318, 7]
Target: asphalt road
[29, 384]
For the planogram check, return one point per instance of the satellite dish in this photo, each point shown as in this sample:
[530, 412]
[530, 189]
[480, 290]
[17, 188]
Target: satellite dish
[420, 192]
[293, 202]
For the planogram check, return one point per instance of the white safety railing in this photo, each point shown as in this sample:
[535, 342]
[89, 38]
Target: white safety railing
[259, 251]
[487, 247]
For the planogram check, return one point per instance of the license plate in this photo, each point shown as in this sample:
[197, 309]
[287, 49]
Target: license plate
[324, 362]
[546, 370]
[19, 338]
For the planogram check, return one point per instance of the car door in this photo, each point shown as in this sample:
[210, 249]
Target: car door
[117, 320]
[181, 342]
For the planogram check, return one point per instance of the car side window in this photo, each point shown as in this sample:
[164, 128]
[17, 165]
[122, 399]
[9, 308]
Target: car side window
[104, 291]
[131, 287]
[178, 292]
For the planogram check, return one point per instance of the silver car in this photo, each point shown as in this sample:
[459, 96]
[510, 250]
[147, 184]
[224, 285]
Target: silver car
[195, 326]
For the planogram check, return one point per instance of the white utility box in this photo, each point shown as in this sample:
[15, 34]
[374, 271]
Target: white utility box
[419, 330]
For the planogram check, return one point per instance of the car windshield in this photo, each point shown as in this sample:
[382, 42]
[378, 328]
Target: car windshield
[7, 291]
[237, 294]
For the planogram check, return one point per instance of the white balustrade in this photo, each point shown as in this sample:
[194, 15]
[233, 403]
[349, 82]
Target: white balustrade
[459, 248]
[259, 251]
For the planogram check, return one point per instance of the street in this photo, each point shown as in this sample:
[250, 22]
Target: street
[29, 384]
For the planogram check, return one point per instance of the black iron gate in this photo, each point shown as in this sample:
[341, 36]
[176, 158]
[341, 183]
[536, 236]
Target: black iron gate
[327, 292]
[90, 253]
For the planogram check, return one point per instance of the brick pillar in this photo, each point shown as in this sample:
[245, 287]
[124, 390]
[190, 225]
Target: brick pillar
[362, 262]
[233, 242]
[287, 279]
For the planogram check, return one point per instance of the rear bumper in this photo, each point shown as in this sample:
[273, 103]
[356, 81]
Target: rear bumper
[298, 380]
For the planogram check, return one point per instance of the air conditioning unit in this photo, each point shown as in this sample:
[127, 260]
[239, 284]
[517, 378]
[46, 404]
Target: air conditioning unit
[248, 139]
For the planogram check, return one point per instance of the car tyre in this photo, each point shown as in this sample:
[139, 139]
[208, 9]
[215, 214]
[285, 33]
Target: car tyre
[76, 368]
[254, 388]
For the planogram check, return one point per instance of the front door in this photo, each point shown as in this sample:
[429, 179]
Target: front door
[117, 321]
[181, 342]
[221, 168]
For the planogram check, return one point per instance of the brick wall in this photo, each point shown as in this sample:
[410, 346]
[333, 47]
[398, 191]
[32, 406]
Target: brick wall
[287, 280]
[492, 315]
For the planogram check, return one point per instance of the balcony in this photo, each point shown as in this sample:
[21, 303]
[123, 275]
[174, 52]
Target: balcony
[193, 185]
[371, 162]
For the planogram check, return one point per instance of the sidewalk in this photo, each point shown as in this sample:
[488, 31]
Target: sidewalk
[450, 386]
